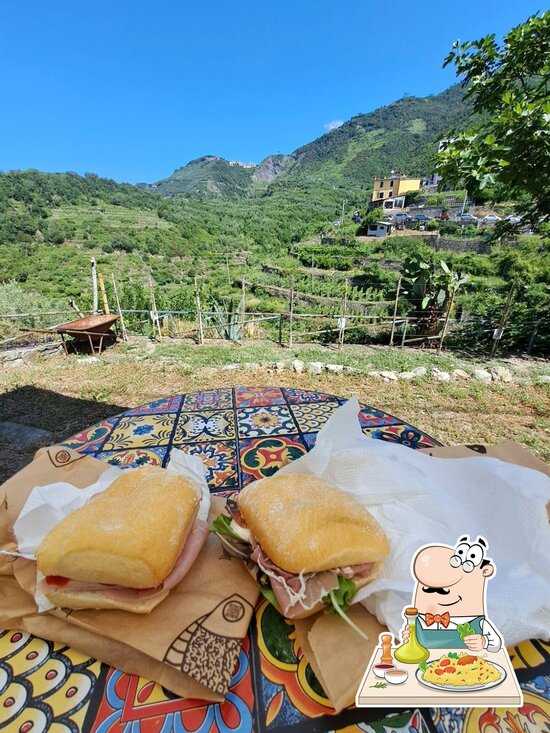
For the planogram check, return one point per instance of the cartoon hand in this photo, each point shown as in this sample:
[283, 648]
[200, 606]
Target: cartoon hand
[405, 633]
[475, 642]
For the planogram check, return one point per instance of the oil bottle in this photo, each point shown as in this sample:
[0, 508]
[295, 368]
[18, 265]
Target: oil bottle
[412, 652]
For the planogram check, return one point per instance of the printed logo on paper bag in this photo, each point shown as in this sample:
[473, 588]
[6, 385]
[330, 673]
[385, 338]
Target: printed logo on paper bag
[450, 652]
[207, 649]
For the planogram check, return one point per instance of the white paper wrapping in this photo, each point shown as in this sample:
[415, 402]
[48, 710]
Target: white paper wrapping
[48, 505]
[419, 499]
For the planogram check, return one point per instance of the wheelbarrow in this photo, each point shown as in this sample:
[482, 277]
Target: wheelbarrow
[93, 329]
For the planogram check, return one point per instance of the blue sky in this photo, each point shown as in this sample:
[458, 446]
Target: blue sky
[131, 90]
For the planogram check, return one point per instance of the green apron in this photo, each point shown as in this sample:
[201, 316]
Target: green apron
[432, 638]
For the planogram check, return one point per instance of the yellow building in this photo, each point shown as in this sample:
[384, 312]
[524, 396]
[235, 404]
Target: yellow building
[395, 185]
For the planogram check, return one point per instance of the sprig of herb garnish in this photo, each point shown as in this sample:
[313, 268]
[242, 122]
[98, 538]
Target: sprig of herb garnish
[423, 666]
[380, 685]
[338, 601]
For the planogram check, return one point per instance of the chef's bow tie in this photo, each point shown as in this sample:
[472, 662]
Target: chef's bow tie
[438, 618]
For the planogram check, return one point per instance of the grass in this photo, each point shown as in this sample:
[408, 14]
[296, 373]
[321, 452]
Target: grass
[66, 394]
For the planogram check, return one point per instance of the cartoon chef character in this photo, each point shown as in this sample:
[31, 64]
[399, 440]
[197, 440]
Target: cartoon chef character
[450, 597]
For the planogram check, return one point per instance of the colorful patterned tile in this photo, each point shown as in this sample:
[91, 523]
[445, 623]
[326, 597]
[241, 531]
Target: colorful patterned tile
[369, 417]
[403, 434]
[532, 717]
[91, 439]
[262, 457]
[258, 396]
[309, 439]
[193, 427]
[45, 685]
[133, 457]
[220, 461]
[141, 430]
[314, 415]
[135, 704]
[167, 404]
[287, 695]
[301, 396]
[271, 420]
[214, 399]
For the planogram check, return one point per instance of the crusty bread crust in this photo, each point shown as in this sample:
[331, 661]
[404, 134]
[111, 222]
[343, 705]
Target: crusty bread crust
[130, 535]
[306, 524]
[98, 599]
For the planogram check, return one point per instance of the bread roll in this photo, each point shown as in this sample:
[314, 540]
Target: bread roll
[130, 535]
[98, 599]
[306, 524]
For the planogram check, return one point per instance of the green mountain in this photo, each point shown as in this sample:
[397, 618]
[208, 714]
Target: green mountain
[209, 176]
[401, 136]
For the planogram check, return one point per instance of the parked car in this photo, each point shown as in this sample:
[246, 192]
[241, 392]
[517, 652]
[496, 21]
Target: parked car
[357, 218]
[422, 217]
[402, 218]
[490, 219]
[468, 218]
[444, 216]
[513, 219]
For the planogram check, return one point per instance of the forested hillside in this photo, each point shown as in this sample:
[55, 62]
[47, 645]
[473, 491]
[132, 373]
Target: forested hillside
[402, 136]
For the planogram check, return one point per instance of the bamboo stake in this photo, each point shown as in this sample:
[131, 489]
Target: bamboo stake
[395, 309]
[503, 320]
[94, 285]
[243, 308]
[154, 312]
[122, 324]
[200, 331]
[342, 319]
[103, 294]
[291, 315]
[447, 315]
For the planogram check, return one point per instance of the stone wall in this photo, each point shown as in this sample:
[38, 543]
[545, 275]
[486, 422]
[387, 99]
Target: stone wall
[446, 244]
[29, 354]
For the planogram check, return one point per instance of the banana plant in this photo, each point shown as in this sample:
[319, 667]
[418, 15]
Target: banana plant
[429, 286]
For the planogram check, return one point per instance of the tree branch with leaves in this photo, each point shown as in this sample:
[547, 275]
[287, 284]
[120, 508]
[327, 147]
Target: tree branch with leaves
[509, 85]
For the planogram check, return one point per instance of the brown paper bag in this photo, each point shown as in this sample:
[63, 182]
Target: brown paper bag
[338, 655]
[508, 451]
[189, 643]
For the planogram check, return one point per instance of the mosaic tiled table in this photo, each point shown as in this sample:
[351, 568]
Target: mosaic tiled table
[241, 434]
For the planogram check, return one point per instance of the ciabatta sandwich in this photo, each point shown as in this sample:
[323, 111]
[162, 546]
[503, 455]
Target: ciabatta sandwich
[308, 543]
[127, 547]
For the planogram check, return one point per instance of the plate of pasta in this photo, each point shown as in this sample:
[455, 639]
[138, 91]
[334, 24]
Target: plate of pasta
[460, 671]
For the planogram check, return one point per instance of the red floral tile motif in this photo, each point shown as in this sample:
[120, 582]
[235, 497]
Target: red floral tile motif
[262, 457]
[258, 396]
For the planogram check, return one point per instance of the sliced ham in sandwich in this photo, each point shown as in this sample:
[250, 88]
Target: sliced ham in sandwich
[305, 540]
[127, 547]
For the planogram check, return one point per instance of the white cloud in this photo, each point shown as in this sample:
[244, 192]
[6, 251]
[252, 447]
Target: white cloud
[333, 125]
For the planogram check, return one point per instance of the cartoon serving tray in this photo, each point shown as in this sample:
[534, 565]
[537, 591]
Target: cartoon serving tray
[451, 654]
